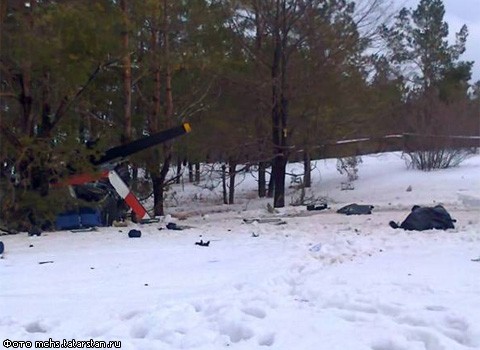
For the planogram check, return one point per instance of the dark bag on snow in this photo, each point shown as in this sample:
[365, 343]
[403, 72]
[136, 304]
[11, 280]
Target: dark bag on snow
[134, 233]
[356, 209]
[426, 218]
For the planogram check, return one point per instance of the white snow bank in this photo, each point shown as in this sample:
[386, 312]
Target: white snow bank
[322, 281]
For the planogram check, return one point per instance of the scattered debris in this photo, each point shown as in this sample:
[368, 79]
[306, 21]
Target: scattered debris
[476, 260]
[275, 221]
[134, 233]
[316, 248]
[255, 234]
[2, 247]
[356, 209]
[30, 246]
[119, 223]
[149, 221]
[409, 189]
[317, 207]
[202, 243]
[34, 231]
[180, 216]
[347, 186]
[271, 209]
[84, 229]
[45, 262]
[5, 231]
[174, 226]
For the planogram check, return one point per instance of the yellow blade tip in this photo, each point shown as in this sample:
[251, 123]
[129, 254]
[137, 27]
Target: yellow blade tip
[187, 127]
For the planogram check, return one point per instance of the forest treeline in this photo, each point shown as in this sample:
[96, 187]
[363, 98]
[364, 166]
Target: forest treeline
[260, 81]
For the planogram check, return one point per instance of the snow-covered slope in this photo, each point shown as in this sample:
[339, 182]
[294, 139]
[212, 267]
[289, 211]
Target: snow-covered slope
[320, 281]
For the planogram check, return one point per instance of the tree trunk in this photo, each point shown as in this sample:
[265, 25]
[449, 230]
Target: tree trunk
[279, 179]
[259, 34]
[167, 148]
[157, 193]
[307, 177]
[197, 173]
[224, 184]
[134, 174]
[276, 113]
[190, 172]
[279, 107]
[232, 167]
[179, 170]
[26, 99]
[153, 166]
[262, 190]
[159, 188]
[127, 76]
[46, 103]
[159, 181]
[271, 184]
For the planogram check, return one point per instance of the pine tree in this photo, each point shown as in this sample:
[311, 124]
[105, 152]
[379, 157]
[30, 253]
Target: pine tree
[51, 54]
[420, 50]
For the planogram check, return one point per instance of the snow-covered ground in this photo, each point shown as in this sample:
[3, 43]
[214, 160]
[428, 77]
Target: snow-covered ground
[321, 281]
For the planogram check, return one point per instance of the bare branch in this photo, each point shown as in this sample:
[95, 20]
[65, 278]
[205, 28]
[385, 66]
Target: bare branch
[67, 101]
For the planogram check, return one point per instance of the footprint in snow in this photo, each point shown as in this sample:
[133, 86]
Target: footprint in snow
[254, 311]
[427, 337]
[236, 332]
[435, 308]
[139, 331]
[129, 315]
[267, 339]
[394, 343]
[459, 330]
[35, 327]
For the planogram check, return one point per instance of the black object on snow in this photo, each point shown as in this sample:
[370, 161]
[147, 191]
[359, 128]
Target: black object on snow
[426, 218]
[134, 233]
[174, 226]
[34, 231]
[2, 247]
[356, 209]
[202, 243]
[7, 231]
[317, 207]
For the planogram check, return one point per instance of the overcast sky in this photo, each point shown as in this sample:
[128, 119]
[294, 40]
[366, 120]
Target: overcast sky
[458, 13]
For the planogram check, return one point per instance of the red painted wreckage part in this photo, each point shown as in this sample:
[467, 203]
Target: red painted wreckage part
[127, 195]
[121, 152]
[118, 184]
[82, 179]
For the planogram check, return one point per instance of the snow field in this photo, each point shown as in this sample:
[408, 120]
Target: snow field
[320, 281]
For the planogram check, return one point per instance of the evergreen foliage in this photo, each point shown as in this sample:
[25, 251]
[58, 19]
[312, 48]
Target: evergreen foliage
[436, 80]
[261, 82]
